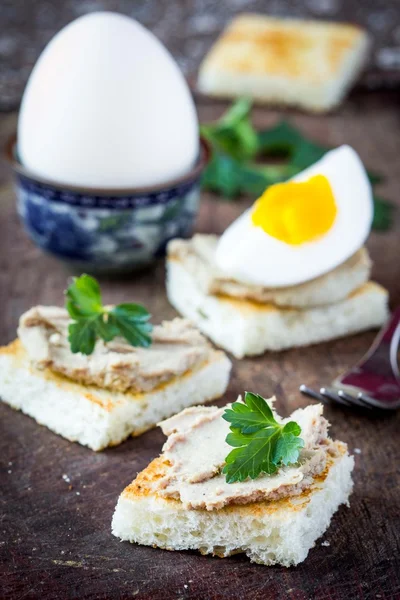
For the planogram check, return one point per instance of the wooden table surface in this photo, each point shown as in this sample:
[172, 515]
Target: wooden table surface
[26, 27]
[57, 498]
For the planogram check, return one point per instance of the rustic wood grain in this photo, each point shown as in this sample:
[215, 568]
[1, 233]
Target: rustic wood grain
[55, 539]
[26, 28]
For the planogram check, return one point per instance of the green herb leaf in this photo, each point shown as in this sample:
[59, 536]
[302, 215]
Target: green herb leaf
[374, 177]
[84, 297]
[280, 140]
[383, 214]
[234, 133]
[237, 113]
[135, 312]
[106, 328]
[261, 444]
[132, 322]
[251, 416]
[231, 178]
[222, 175]
[92, 320]
[287, 449]
[306, 153]
[82, 336]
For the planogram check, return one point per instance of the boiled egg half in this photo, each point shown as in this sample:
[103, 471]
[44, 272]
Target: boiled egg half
[301, 229]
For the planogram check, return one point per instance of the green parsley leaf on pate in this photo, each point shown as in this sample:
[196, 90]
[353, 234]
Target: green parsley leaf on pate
[91, 320]
[261, 444]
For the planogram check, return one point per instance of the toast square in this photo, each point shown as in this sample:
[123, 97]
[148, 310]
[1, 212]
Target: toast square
[270, 532]
[309, 64]
[247, 328]
[97, 417]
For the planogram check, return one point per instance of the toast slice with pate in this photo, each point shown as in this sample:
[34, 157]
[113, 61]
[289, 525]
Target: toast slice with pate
[119, 390]
[309, 64]
[231, 316]
[182, 501]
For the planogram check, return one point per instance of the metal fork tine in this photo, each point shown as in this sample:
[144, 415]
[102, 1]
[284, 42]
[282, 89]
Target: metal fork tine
[334, 397]
[367, 401]
[329, 395]
[312, 394]
[354, 400]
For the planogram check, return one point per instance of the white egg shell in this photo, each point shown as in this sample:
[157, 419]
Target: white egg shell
[250, 255]
[107, 106]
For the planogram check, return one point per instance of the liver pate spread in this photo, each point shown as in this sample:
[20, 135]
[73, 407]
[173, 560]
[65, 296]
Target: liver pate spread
[197, 256]
[177, 347]
[196, 451]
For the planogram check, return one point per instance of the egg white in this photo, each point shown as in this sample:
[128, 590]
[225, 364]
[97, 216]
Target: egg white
[107, 106]
[248, 254]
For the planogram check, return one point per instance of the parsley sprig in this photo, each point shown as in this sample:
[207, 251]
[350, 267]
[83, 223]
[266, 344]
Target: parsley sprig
[237, 148]
[92, 320]
[261, 444]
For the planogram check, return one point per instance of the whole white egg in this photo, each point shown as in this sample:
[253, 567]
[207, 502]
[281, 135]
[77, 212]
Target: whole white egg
[247, 253]
[107, 106]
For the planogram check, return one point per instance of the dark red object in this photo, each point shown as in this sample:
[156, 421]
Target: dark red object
[377, 374]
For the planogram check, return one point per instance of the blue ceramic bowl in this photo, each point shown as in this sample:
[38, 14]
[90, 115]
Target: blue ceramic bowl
[99, 230]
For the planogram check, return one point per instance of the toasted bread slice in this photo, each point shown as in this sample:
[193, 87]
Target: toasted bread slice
[278, 531]
[197, 256]
[97, 417]
[310, 64]
[245, 327]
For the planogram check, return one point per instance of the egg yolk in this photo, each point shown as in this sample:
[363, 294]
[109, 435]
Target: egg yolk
[297, 211]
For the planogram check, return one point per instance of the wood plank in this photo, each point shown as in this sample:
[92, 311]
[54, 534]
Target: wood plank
[55, 539]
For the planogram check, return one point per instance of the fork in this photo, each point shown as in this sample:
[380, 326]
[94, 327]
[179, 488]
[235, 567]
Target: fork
[374, 382]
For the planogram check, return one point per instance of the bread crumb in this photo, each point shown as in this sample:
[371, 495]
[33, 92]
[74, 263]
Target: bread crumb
[325, 543]
[55, 338]
[357, 451]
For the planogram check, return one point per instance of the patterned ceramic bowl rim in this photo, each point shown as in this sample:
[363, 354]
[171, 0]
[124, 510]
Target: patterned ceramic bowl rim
[195, 172]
